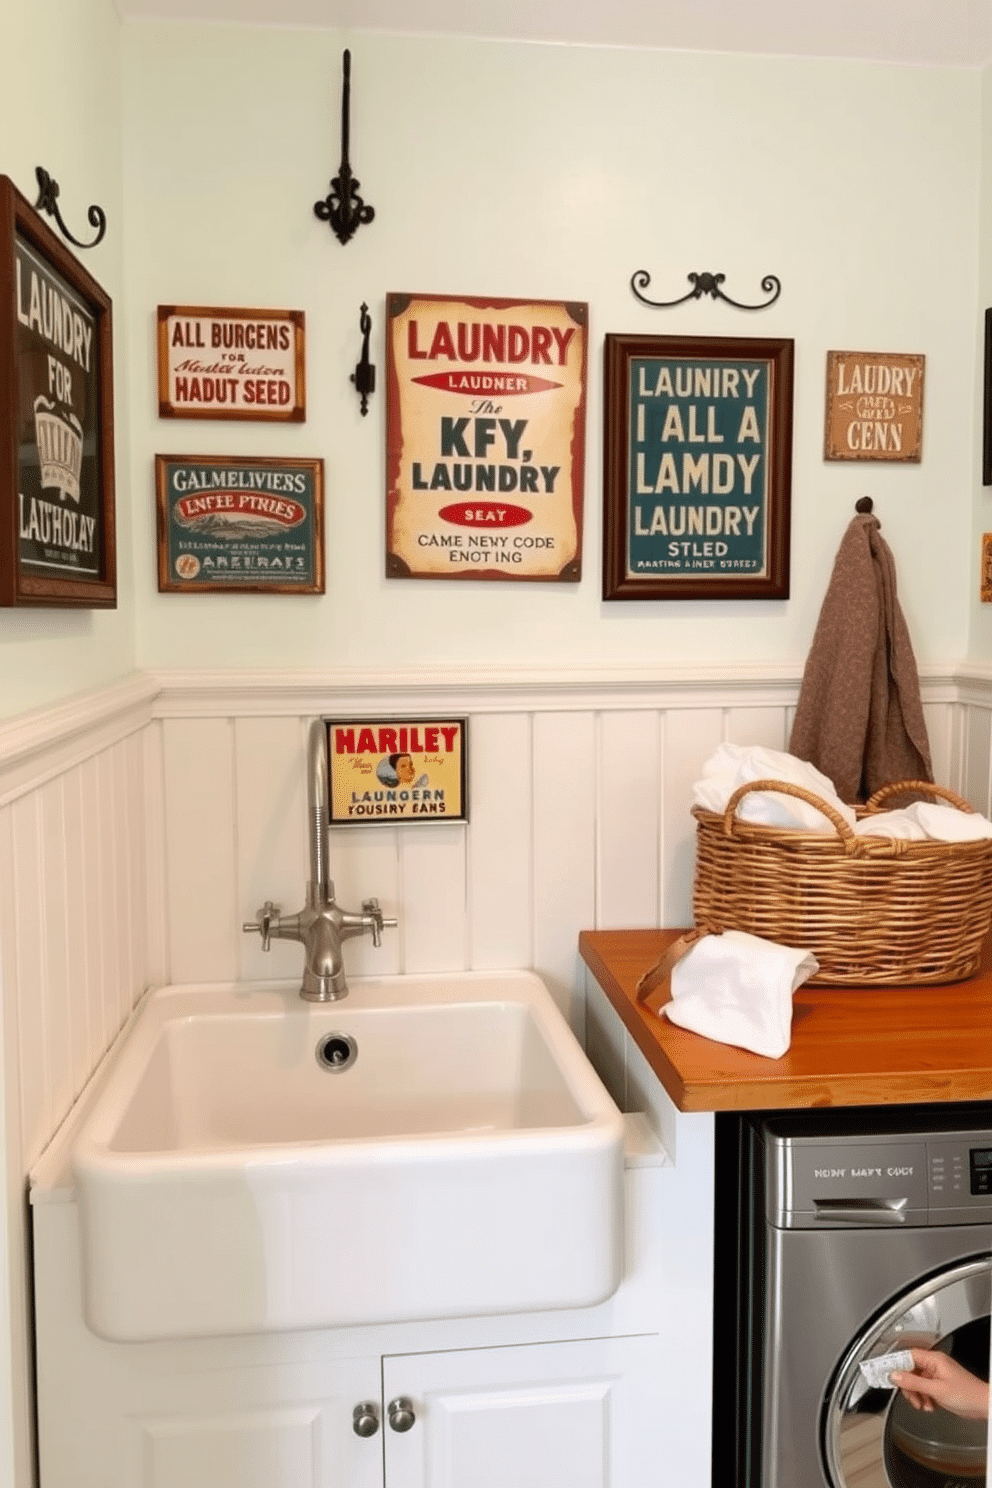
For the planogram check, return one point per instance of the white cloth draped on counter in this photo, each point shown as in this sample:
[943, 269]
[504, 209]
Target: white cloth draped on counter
[737, 989]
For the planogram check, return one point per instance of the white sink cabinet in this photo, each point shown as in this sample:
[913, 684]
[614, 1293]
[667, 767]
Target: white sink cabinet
[615, 1395]
[573, 1413]
[277, 1411]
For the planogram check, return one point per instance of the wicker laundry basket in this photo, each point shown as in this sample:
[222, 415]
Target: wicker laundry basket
[875, 911]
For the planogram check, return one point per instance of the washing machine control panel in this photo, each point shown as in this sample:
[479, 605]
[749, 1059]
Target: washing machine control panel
[981, 1170]
[909, 1178]
[960, 1172]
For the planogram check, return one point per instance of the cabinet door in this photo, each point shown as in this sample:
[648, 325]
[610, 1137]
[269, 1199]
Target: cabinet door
[574, 1414]
[279, 1427]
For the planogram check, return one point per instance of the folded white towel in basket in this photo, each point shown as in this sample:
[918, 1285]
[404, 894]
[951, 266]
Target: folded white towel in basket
[926, 819]
[737, 989]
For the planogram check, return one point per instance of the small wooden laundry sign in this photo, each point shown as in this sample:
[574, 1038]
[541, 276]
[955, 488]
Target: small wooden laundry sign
[874, 406]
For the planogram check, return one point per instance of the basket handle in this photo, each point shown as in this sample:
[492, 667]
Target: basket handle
[901, 787]
[851, 843]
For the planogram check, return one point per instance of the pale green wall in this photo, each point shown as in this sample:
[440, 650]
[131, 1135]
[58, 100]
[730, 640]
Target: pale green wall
[554, 171]
[508, 169]
[60, 107]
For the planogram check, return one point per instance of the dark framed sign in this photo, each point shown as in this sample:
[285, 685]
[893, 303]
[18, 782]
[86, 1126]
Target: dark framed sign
[227, 523]
[231, 364]
[57, 521]
[698, 467]
[389, 770]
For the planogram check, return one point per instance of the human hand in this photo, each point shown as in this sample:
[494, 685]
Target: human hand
[937, 1379]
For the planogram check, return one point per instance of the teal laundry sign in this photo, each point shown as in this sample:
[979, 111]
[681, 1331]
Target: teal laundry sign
[698, 443]
[698, 467]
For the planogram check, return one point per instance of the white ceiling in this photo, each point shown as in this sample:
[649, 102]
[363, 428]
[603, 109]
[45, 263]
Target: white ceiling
[930, 32]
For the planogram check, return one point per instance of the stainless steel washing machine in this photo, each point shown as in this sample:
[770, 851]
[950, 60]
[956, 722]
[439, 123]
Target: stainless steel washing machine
[855, 1233]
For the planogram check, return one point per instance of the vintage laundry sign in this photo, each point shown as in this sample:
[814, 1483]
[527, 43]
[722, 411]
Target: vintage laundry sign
[389, 770]
[698, 459]
[58, 518]
[485, 437]
[56, 445]
[874, 406]
[231, 364]
[228, 523]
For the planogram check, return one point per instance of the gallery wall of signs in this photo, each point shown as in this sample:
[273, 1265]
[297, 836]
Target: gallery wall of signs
[485, 441]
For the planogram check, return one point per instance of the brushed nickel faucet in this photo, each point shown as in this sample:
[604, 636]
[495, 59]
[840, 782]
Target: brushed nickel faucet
[321, 926]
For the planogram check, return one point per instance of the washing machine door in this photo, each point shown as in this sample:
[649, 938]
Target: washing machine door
[874, 1438]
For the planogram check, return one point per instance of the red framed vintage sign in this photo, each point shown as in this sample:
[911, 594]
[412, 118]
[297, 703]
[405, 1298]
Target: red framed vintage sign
[485, 437]
[231, 364]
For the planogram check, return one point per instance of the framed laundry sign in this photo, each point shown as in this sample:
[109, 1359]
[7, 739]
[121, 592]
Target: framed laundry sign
[874, 406]
[57, 519]
[229, 523]
[485, 438]
[697, 467]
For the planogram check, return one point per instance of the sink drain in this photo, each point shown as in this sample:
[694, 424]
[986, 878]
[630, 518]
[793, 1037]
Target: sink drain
[336, 1051]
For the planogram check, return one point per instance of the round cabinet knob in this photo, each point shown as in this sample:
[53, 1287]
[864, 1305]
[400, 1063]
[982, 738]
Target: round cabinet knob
[365, 1418]
[401, 1416]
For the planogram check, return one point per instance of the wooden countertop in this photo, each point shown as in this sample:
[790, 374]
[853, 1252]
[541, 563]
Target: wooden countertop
[851, 1046]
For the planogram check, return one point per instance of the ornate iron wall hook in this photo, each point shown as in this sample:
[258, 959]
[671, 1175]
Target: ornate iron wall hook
[48, 201]
[343, 208]
[703, 284]
[364, 374]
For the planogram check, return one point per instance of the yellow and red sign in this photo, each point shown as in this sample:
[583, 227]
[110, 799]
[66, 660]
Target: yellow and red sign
[387, 770]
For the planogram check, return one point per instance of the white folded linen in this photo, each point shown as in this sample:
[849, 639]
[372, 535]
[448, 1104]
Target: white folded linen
[891, 824]
[737, 989]
[733, 765]
[926, 819]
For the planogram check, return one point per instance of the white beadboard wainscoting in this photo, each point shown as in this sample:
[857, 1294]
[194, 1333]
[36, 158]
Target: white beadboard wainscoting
[140, 825]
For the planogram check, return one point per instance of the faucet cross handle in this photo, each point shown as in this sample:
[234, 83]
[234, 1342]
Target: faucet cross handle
[371, 908]
[263, 922]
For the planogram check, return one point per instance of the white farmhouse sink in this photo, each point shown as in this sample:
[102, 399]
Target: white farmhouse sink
[467, 1161]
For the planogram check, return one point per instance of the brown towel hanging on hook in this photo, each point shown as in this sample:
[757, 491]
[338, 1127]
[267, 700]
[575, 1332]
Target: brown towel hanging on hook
[859, 718]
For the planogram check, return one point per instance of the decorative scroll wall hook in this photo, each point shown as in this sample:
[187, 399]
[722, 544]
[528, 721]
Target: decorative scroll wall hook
[364, 374]
[703, 284]
[48, 201]
[343, 208]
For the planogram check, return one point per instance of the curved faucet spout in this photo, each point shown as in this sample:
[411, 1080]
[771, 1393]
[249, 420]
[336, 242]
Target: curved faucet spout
[323, 973]
[321, 889]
